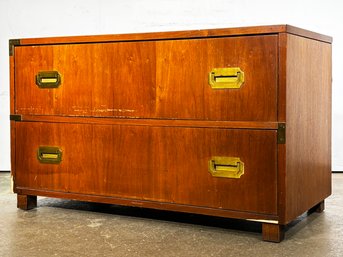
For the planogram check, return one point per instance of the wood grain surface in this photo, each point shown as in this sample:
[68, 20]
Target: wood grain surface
[159, 79]
[151, 163]
[308, 129]
[152, 122]
[204, 33]
[138, 122]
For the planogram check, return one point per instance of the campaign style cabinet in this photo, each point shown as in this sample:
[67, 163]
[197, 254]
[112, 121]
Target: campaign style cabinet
[226, 122]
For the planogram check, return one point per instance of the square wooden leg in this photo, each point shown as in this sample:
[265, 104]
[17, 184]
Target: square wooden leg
[273, 232]
[26, 202]
[319, 207]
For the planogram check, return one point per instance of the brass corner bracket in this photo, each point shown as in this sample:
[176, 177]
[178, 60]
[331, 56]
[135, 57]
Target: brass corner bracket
[281, 133]
[16, 117]
[12, 43]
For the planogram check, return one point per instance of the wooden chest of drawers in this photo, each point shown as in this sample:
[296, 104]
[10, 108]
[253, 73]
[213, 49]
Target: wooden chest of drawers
[228, 122]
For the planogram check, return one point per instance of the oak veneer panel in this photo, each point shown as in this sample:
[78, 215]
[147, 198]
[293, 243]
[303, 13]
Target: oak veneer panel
[158, 79]
[151, 163]
[308, 119]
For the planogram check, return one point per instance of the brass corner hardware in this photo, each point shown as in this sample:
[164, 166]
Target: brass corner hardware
[226, 167]
[12, 43]
[281, 133]
[49, 154]
[225, 78]
[16, 117]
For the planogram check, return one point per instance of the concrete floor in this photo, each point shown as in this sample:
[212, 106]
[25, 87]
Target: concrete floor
[70, 228]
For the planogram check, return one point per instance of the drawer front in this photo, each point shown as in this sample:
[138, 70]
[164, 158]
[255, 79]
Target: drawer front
[164, 164]
[166, 79]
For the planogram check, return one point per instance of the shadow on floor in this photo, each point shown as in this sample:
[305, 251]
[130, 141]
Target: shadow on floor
[152, 214]
[196, 219]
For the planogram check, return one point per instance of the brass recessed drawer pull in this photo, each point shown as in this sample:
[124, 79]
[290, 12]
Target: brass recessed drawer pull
[224, 78]
[48, 79]
[49, 154]
[226, 167]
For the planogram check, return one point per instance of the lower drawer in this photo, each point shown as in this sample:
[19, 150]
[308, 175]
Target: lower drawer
[164, 164]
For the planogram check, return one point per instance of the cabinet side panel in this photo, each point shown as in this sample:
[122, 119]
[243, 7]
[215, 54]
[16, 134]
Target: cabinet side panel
[308, 124]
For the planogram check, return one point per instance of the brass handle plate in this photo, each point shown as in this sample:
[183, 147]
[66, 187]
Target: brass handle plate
[49, 154]
[226, 167]
[225, 78]
[48, 79]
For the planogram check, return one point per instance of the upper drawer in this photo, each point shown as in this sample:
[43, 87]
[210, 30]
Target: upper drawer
[150, 79]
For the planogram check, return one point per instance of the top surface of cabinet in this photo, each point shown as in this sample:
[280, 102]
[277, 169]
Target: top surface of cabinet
[253, 30]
